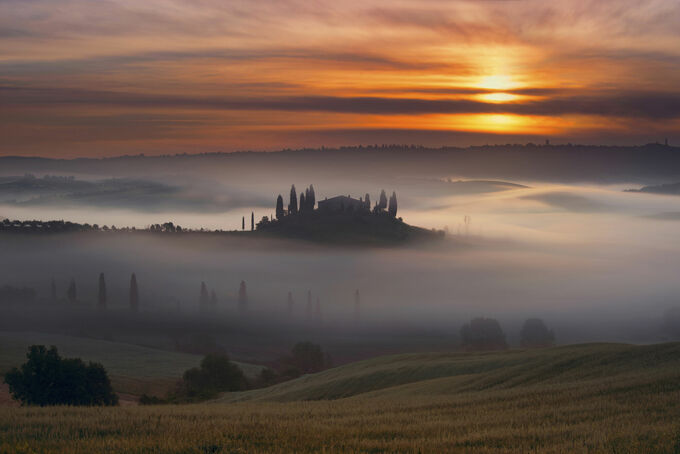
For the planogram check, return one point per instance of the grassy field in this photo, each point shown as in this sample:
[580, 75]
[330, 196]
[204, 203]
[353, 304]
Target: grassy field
[581, 399]
[133, 369]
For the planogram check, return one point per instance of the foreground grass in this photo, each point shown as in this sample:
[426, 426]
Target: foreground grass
[619, 399]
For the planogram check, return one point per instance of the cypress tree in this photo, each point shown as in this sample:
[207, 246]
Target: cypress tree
[279, 207]
[393, 205]
[71, 293]
[243, 223]
[367, 201]
[290, 303]
[292, 207]
[303, 206]
[204, 298]
[311, 198]
[382, 203]
[252, 221]
[101, 299]
[53, 290]
[134, 293]
[357, 306]
[309, 305]
[242, 297]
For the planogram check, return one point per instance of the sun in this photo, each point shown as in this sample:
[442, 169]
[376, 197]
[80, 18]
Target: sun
[496, 82]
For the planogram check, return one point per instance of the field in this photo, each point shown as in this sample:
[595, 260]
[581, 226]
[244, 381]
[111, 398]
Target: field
[133, 369]
[584, 399]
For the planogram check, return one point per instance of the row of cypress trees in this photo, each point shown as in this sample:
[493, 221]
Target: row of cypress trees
[102, 300]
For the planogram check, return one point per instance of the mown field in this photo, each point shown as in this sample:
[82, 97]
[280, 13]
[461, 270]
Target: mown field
[133, 369]
[578, 399]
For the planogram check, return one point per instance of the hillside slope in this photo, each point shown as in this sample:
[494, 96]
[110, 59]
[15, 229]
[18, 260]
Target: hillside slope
[470, 372]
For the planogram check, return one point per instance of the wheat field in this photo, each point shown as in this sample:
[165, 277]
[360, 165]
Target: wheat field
[589, 399]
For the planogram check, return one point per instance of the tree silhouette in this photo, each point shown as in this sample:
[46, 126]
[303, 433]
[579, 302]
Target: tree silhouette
[71, 293]
[292, 207]
[243, 223]
[357, 305]
[367, 201]
[134, 293]
[204, 299]
[483, 334]
[101, 297]
[48, 379]
[309, 309]
[392, 210]
[303, 206]
[252, 221]
[53, 290]
[290, 303]
[279, 207]
[242, 297]
[382, 203]
[311, 198]
[534, 334]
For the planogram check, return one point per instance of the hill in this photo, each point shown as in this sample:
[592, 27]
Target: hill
[467, 372]
[347, 228]
[598, 398]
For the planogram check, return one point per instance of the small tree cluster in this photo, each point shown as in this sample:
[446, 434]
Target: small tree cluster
[48, 379]
[483, 334]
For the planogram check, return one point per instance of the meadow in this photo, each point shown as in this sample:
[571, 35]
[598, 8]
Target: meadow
[593, 398]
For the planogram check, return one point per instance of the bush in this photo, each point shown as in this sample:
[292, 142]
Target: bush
[534, 333]
[307, 357]
[48, 379]
[483, 334]
[216, 374]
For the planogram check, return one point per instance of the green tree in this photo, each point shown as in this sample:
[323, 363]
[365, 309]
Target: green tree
[48, 379]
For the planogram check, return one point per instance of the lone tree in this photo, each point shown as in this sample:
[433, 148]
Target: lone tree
[252, 221]
[392, 210]
[382, 202]
[279, 207]
[242, 297]
[483, 334]
[243, 223]
[71, 293]
[535, 334]
[216, 374]
[204, 299]
[292, 206]
[48, 379]
[134, 293]
[101, 297]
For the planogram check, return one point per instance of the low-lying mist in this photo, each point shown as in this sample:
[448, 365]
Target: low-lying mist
[595, 262]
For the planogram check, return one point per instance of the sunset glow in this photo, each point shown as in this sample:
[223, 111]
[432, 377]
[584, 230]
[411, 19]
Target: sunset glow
[105, 78]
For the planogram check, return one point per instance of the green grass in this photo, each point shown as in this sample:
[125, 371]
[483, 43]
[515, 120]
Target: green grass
[133, 369]
[599, 398]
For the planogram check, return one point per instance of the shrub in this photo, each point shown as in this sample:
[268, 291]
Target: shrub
[483, 334]
[48, 379]
[534, 333]
[216, 374]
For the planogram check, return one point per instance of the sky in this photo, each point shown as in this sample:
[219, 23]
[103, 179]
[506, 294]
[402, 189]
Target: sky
[83, 78]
